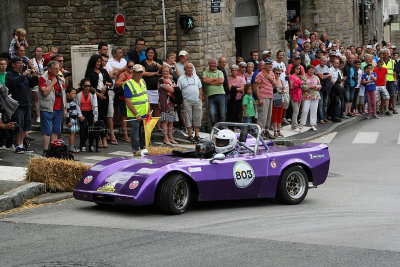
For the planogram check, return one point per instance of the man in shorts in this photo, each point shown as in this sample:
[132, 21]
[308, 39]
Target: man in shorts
[192, 93]
[391, 77]
[381, 92]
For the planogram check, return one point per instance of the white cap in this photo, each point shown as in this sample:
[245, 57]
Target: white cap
[138, 68]
[183, 53]
[266, 52]
[369, 46]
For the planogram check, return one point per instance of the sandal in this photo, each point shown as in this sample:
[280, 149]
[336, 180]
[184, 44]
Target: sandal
[279, 134]
[276, 133]
[191, 139]
[173, 141]
[127, 139]
[197, 138]
[114, 142]
[167, 142]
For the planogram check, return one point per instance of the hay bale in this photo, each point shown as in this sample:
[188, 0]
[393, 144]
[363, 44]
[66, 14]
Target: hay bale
[56, 174]
[158, 150]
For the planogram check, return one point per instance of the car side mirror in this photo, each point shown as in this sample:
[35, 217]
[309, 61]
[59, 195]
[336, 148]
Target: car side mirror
[218, 156]
[243, 134]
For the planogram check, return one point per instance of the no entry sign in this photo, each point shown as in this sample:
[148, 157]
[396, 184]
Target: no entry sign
[120, 24]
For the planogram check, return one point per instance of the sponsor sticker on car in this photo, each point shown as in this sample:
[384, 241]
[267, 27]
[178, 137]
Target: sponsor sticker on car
[109, 187]
[134, 184]
[243, 174]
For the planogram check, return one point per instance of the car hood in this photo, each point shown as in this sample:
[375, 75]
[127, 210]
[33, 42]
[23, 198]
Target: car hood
[119, 174]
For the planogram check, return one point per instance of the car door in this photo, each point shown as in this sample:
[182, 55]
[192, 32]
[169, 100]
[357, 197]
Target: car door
[237, 177]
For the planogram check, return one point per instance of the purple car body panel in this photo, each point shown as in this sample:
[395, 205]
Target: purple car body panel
[134, 181]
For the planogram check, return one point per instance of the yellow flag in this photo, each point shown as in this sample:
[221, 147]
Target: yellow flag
[148, 128]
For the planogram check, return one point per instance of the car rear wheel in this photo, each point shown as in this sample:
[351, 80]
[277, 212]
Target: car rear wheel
[174, 194]
[292, 186]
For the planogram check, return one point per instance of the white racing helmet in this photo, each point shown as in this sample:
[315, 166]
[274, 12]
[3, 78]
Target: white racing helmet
[225, 141]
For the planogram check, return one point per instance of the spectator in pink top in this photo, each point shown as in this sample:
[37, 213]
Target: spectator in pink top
[295, 85]
[264, 86]
[236, 86]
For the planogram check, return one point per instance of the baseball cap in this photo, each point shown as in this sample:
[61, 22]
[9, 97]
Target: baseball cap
[268, 61]
[306, 32]
[183, 53]
[15, 59]
[138, 68]
[266, 52]
[332, 53]
[296, 57]
[369, 46]
[318, 51]
[242, 63]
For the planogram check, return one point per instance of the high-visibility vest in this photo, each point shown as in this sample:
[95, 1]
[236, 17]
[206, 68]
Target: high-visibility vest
[139, 98]
[390, 68]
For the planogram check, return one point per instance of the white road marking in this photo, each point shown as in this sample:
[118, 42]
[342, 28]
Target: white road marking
[366, 138]
[99, 158]
[121, 153]
[9, 173]
[326, 139]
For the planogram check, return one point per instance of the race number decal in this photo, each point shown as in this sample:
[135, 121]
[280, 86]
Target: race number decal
[243, 174]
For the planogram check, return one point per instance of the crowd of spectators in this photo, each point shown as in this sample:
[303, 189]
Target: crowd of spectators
[325, 81]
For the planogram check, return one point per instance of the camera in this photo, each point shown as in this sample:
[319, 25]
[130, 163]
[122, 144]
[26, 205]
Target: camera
[31, 72]
[58, 94]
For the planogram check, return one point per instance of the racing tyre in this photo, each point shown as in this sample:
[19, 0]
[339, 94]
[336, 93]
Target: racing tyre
[174, 194]
[293, 186]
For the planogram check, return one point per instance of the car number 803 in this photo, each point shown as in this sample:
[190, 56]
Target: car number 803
[243, 174]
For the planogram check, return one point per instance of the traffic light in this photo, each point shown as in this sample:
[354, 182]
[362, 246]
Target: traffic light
[187, 22]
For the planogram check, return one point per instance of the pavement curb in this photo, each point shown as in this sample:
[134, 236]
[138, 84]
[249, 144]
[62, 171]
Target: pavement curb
[52, 197]
[17, 196]
[334, 126]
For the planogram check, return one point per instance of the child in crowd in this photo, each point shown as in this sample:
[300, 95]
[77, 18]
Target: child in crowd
[368, 79]
[19, 39]
[248, 103]
[361, 89]
[72, 118]
[47, 57]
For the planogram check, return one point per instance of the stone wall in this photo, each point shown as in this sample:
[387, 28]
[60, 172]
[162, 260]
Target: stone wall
[64, 23]
[273, 25]
[339, 19]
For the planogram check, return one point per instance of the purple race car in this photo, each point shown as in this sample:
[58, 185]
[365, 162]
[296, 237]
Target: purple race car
[253, 169]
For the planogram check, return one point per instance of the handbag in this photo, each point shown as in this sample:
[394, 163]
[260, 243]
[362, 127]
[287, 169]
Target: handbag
[277, 100]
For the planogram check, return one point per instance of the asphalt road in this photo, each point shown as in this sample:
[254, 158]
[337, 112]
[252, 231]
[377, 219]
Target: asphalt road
[351, 220]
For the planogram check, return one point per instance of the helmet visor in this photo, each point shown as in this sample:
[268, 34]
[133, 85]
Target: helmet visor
[222, 142]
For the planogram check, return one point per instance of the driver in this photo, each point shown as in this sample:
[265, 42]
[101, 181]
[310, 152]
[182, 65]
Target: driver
[225, 142]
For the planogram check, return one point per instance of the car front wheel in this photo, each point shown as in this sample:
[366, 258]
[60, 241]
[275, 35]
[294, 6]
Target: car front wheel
[292, 186]
[174, 194]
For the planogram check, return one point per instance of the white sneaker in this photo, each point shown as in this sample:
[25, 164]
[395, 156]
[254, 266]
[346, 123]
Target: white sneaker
[313, 128]
[38, 119]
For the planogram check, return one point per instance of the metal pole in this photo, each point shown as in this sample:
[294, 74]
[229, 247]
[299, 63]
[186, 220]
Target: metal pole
[178, 30]
[362, 21]
[165, 30]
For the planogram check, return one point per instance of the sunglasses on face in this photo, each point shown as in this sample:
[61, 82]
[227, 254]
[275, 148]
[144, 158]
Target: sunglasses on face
[60, 61]
[277, 73]
[86, 85]
[130, 67]
[242, 67]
